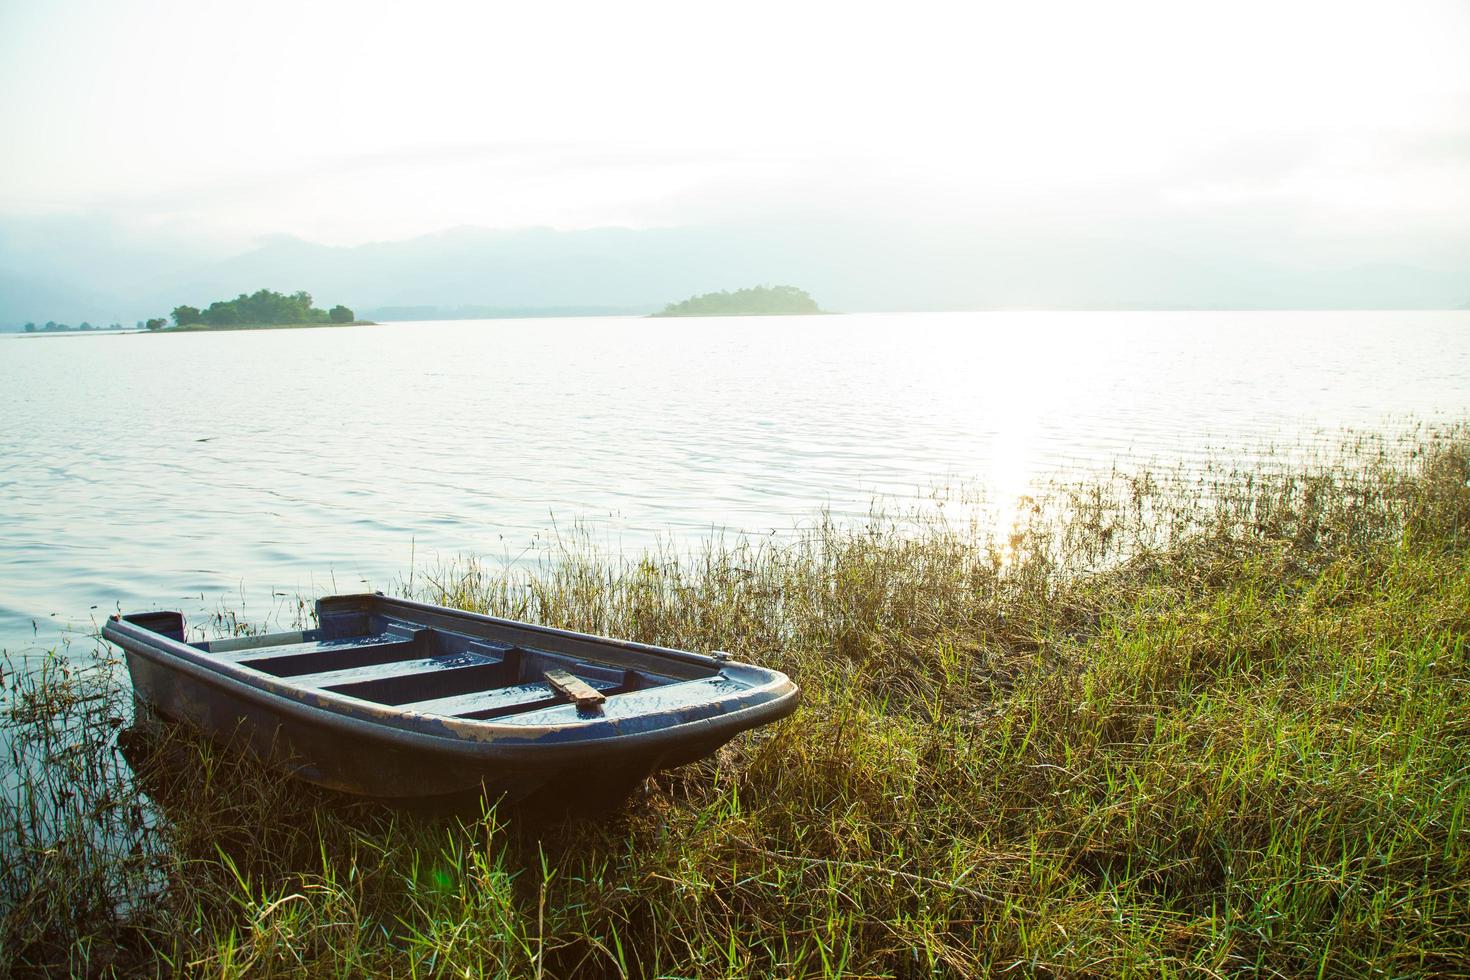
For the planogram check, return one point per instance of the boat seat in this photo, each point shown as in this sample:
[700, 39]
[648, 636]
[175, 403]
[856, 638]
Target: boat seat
[400, 681]
[323, 655]
[246, 646]
[500, 701]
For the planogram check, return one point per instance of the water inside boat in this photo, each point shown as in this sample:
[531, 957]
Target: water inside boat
[436, 671]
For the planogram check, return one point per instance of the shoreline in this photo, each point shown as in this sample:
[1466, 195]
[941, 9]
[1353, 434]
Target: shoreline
[1024, 311]
[191, 328]
[203, 328]
[695, 316]
[75, 333]
[1214, 711]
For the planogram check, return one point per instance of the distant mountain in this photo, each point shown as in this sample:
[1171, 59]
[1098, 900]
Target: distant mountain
[24, 298]
[1387, 286]
[852, 268]
[852, 265]
[612, 268]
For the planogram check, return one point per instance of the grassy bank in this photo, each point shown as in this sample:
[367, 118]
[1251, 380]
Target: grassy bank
[1166, 725]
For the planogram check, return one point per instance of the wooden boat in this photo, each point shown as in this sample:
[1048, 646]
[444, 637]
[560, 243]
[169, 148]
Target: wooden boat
[396, 699]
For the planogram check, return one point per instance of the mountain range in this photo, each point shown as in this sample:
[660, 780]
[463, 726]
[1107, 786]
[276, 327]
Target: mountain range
[471, 271]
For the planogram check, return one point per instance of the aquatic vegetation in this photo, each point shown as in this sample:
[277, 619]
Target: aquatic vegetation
[1199, 722]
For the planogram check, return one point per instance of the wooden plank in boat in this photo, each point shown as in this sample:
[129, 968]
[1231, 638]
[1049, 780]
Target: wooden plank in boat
[497, 702]
[574, 688]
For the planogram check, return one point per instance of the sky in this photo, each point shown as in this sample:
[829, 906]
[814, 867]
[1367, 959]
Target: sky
[1342, 123]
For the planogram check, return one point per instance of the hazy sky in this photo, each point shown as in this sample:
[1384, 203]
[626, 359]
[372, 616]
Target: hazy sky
[345, 122]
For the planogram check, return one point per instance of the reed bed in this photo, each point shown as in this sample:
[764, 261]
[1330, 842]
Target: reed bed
[1196, 722]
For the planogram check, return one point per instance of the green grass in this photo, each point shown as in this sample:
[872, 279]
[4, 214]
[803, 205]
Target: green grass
[1168, 725]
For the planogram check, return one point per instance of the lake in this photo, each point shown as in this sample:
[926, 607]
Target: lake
[244, 469]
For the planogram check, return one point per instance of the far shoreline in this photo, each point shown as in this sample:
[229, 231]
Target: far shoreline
[191, 328]
[200, 328]
[695, 316]
[204, 328]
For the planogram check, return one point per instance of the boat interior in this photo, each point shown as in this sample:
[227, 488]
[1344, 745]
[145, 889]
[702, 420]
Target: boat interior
[438, 671]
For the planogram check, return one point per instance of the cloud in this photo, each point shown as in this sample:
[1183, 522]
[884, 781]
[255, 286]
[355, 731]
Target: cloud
[347, 123]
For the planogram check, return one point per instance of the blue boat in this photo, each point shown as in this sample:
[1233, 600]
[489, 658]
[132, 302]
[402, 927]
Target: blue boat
[403, 700]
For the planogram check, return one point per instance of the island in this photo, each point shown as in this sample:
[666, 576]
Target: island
[754, 301]
[260, 310]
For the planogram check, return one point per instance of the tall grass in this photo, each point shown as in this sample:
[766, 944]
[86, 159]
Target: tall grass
[1193, 722]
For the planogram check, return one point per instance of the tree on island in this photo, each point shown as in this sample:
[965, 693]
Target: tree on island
[30, 328]
[157, 323]
[754, 301]
[262, 308]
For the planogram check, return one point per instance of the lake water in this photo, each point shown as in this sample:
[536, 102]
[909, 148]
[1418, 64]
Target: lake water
[244, 469]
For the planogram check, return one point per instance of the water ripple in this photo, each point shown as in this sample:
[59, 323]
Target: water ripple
[203, 470]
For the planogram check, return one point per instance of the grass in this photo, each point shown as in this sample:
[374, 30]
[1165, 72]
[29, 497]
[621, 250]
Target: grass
[1169, 724]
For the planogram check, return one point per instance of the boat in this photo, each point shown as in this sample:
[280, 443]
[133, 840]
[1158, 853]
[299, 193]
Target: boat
[401, 700]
